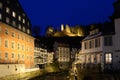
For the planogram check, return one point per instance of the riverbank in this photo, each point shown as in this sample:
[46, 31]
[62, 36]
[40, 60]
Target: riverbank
[22, 76]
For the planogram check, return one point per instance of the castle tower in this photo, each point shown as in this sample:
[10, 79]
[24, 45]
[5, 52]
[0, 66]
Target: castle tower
[62, 27]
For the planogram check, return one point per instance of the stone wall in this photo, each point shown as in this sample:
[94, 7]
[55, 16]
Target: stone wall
[17, 71]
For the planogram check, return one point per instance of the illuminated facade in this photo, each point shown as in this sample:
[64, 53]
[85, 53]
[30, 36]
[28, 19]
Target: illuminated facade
[62, 54]
[40, 54]
[16, 42]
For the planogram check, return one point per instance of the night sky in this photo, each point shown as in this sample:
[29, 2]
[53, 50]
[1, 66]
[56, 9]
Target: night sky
[71, 12]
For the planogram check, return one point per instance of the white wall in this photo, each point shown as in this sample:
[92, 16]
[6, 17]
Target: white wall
[8, 69]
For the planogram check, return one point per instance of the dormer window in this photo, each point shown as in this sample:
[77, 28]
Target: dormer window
[97, 30]
[19, 26]
[23, 28]
[23, 20]
[13, 14]
[7, 10]
[19, 18]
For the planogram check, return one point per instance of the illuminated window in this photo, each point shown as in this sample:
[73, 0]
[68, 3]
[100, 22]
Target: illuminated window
[13, 14]
[6, 55]
[0, 5]
[19, 26]
[19, 18]
[108, 58]
[6, 43]
[7, 20]
[13, 45]
[7, 10]
[6, 31]
[23, 20]
[13, 34]
[0, 41]
[0, 16]
[13, 55]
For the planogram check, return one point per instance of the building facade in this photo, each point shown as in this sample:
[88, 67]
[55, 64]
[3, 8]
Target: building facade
[102, 47]
[62, 54]
[16, 42]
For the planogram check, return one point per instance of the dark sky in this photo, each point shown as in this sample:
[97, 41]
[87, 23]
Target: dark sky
[71, 12]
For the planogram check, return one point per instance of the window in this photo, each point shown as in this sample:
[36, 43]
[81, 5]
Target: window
[0, 16]
[18, 36]
[0, 41]
[90, 44]
[97, 30]
[13, 34]
[19, 26]
[18, 56]
[85, 45]
[13, 45]
[0, 29]
[97, 42]
[0, 5]
[13, 14]
[22, 47]
[13, 55]
[28, 31]
[6, 31]
[23, 57]
[7, 20]
[108, 41]
[108, 58]
[23, 37]
[23, 20]
[6, 43]
[28, 24]
[23, 28]
[18, 46]
[14, 23]
[6, 55]
[7, 10]
[19, 18]
[23, 14]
